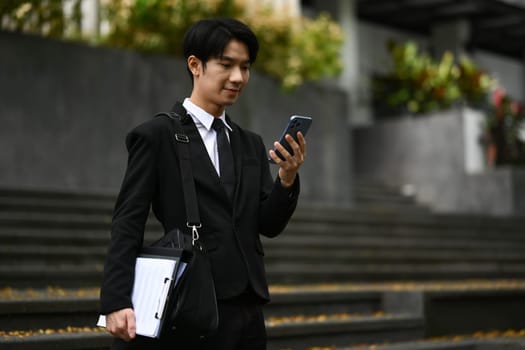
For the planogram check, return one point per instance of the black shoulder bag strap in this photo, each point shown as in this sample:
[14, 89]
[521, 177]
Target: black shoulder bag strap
[195, 307]
[188, 184]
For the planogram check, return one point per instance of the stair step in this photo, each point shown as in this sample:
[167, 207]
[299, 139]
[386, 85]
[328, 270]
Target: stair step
[79, 308]
[496, 341]
[35, 198]
[48, 313]
[61, 221]
[68, 339]
[67, 275]
[319, 302]
[29, 205]
[86, 275]
[51, 255]
[298, 330]
[311, 213]
[79, 238]
[387, 230]
[294, 231]
[304, 214]
[304, 273]
[302, 335]
[38, 276]
[99, 340]
[386, 254]
[307, 328]
[54, 220]
[372, 241]
[82, 238]
[64, 235]
[371, 195]
[295, 334]
[53, 194]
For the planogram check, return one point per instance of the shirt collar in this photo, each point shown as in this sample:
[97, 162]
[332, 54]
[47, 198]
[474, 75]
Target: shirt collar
[205, 118]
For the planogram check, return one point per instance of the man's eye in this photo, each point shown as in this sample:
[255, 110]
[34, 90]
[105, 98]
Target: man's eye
[226, 65]
[245, 68]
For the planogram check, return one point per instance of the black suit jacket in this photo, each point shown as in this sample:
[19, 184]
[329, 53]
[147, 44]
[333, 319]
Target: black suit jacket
[230, 230]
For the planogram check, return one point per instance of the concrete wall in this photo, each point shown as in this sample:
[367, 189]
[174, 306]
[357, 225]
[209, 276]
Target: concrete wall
[65, 109]
[431, 153]
[499, 191]
[460, 311]
[423, 152]
[508, 72]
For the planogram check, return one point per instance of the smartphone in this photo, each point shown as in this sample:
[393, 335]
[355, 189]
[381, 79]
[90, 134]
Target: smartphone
[295, 124]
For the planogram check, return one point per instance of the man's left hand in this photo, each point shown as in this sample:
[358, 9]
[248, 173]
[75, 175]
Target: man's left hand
[289, 167]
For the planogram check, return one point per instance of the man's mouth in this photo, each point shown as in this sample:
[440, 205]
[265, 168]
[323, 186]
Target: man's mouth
[233, 89]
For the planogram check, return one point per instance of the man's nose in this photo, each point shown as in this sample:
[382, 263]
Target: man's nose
[236, 75]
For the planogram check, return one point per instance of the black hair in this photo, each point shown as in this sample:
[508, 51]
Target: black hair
[208, 38]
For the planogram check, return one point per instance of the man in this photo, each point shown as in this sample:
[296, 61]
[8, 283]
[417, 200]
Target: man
[219, 53]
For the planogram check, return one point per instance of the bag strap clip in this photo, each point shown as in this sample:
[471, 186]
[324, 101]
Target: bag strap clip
[182, 138]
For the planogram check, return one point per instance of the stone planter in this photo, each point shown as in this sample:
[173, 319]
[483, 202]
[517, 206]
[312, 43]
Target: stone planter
[442, 157]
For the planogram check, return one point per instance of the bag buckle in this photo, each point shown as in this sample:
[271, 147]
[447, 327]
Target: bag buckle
[194, 233]
[182, 138]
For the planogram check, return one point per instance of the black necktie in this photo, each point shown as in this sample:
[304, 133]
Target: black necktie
[225, 157]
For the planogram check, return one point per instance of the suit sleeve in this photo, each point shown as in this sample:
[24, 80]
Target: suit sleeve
[277, 202]
[129, 219]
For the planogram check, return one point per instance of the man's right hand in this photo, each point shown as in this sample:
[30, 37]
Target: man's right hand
[121, 323]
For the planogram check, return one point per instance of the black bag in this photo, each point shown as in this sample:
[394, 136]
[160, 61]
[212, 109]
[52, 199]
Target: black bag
[192, 306]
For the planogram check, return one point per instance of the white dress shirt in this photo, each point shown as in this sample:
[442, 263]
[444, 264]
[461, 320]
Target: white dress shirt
[203, 121]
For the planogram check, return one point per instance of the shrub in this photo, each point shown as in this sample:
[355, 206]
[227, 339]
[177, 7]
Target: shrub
[291, 50]
[420, 84]
[33, 16]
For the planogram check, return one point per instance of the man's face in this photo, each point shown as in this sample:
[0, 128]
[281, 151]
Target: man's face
[221, 82]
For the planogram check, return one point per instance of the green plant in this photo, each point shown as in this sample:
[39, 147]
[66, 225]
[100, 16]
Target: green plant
[474, 83]
[158, 26]
[314, 53]
[291, 50]
[418, 83]
[295, 54]
[297, 50]
[33, 16]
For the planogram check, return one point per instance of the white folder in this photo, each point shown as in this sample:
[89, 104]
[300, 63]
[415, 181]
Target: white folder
[155, 277]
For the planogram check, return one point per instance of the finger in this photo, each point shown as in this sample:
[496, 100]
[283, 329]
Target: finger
[113, 323]
[117, 323]
[302, 141]
[298, 157]
[118, 329]
[274, 157]
[131, 329]
[297, 149]
[283, 151]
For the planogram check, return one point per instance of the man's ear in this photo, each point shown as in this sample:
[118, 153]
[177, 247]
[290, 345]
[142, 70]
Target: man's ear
[194, 65]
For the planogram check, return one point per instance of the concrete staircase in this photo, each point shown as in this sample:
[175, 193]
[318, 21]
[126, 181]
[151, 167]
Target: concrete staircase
[339, 277]
[334, 244]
